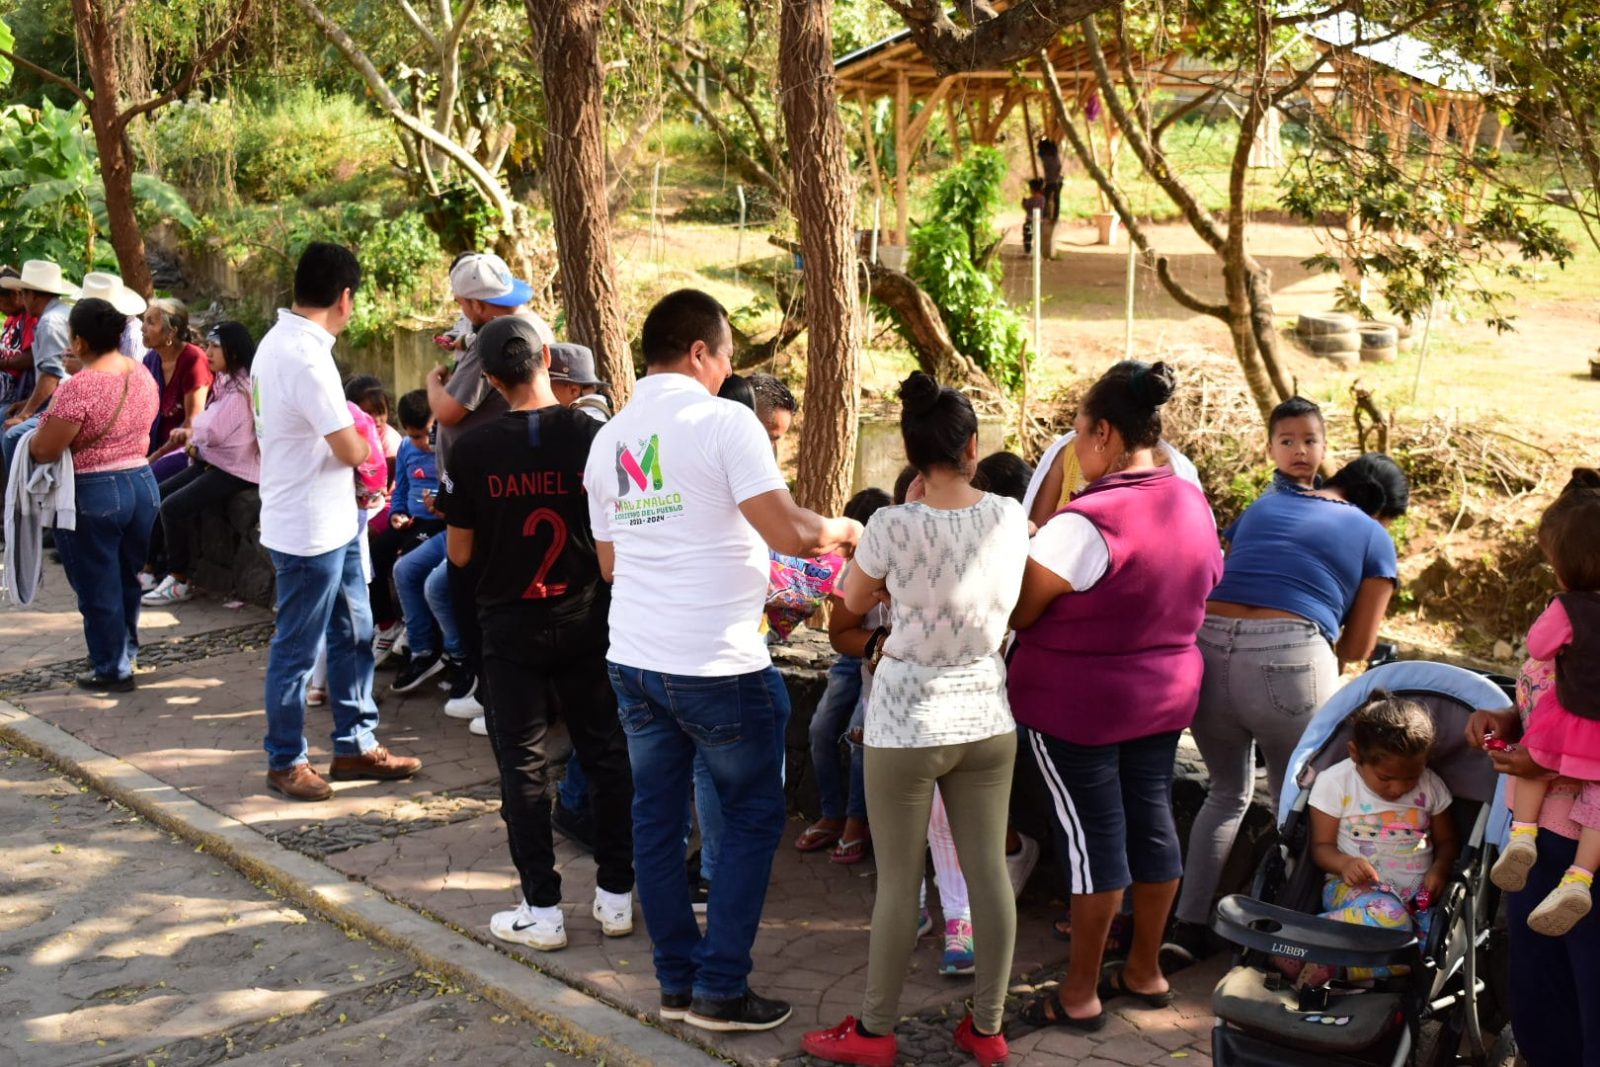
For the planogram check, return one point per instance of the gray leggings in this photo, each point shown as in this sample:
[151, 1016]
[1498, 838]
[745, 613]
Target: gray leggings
[974, 780]
[1264, 678]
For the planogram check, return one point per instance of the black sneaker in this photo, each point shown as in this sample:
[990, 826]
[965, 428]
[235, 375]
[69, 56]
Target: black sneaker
[419, 670]
[747, 1012]
[577, 827]
[700, 896]
[99, 683]
[674, 1006]
[461, 682]
[1187, 944]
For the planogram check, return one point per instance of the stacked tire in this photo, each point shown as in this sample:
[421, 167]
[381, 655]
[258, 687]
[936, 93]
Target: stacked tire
[1330, 334]
[1380, 342]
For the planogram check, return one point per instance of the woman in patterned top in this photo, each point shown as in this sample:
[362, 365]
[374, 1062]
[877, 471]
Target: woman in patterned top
[951, 564]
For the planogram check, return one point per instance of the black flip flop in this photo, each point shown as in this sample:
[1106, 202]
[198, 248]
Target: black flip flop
[1046, 1010]
[1112, 986]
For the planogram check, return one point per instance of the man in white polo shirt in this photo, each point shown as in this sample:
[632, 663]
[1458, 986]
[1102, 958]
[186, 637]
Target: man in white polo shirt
[685, 497]
[311, 527]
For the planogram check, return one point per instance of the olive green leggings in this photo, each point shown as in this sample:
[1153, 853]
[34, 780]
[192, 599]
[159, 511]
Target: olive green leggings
[975, 781]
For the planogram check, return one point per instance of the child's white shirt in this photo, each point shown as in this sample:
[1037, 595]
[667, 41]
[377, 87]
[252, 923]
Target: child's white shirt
[1395, 836]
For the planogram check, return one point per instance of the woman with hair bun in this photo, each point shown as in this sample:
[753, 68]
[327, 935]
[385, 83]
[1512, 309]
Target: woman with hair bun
[1105, 676]
[938, 716]
[1308, 579]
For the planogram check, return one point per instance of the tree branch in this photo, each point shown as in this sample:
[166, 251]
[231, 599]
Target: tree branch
[459, 27]
[422, 27]
[992, 44]
[760, 172]
[202, 61]
[48, 76]
[1119, 203]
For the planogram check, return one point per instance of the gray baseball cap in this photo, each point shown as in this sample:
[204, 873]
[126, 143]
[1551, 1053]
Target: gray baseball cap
[572, 363]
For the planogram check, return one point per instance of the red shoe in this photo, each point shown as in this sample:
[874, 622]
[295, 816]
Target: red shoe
[845, 1044]
[990, 1051]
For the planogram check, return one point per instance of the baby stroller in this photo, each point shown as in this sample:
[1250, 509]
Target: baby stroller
[1418, 1017]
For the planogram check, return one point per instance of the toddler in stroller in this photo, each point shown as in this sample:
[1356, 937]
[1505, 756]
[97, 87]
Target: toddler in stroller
[1366, 990]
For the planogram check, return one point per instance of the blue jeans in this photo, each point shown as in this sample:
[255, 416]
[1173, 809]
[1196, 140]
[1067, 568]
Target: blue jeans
[574, 790]
[737, 724]
[103, 557]
[411, 574]
[320, 597]
[828, 726]
[442, 604]
[1555, 981]
[8, 443]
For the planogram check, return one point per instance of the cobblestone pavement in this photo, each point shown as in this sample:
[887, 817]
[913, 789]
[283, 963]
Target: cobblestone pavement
[125, 946]
[437, 844]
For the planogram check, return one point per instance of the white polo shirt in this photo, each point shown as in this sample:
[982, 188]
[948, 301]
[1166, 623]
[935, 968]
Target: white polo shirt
[665, 479]
[308, 498]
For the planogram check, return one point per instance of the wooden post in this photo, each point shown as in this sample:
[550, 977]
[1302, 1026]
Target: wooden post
[902, 159]
[871, 144]
[1033, 142]
[955, 130]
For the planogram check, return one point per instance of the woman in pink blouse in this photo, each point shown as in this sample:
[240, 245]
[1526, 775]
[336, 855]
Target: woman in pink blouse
[225, 459]
[102, 415]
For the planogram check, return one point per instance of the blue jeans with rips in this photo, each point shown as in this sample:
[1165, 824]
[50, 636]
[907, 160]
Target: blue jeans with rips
[320, 597]
[103, 557]
[736, 723]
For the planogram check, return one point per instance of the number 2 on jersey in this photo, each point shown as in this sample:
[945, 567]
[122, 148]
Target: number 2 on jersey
[537, 589]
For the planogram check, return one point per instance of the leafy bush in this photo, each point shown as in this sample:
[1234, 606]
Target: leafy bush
[197, 141]
[304, 140]
[950, 260]
[51, 195]
[723, 208]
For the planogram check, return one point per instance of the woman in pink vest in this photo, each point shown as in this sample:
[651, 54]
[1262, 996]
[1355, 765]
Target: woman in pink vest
[1105, 676]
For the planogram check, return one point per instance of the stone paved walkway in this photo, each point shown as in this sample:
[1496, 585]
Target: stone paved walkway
[437, 844]
[125, 946]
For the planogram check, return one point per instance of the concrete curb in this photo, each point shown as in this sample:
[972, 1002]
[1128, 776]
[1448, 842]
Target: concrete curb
[589, 1025]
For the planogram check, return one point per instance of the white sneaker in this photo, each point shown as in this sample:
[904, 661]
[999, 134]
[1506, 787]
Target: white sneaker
[1510, 871]
[466, 707]
[478, 726]
[148, 581]
[614, 912]
[1021, 865]
[542, 928]
[170, 591]
[383, 639]
[399, 651]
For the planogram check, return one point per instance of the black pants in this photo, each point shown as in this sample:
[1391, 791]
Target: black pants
[464, 596]
[386, 547]
[184, 497]
[1052, 201]
[533, 672]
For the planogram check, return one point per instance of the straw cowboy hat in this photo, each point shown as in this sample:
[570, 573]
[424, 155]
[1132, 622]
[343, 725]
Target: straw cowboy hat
[109, 287]
[42, 276]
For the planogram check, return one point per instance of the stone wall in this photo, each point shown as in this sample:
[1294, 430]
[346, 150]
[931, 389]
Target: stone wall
[229, 560]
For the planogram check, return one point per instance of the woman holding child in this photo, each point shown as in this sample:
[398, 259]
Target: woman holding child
[1309, 575]
[1114, 592]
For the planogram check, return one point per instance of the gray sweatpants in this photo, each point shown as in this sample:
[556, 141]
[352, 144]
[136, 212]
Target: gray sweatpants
[1264, 678]
[974, 781]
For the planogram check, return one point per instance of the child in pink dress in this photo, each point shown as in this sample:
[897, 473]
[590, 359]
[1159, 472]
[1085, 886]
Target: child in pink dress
[1563, 731]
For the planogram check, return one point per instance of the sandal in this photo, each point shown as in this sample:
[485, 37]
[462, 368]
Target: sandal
[1113, 985]
[815, 838]
[1045, 1010]
[849, 853]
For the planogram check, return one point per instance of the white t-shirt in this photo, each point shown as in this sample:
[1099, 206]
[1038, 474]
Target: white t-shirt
[1393, 835]
[1070, 546]
[953, 578]
[665, 480]
[1180, 464]
[308, 498]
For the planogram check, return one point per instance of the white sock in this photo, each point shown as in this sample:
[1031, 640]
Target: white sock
[612, 900]
[545, 915]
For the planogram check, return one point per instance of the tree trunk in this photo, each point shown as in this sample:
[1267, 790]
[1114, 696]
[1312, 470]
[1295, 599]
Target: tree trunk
[98, 38]
[567, 33]
[825, 209]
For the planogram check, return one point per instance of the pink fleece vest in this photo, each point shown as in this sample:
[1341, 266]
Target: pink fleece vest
[1119, 661]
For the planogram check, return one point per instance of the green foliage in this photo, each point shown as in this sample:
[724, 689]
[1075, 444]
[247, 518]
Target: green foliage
[950, 260]
[723, 208]
[306, 139]
[9, 44]
[197, 144]
[1422, 240]
[51, 192]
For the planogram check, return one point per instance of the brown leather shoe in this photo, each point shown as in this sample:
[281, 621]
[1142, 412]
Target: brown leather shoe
[377, 763]
[299, 782]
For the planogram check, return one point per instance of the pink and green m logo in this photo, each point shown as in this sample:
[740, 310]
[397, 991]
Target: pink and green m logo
[643, 470]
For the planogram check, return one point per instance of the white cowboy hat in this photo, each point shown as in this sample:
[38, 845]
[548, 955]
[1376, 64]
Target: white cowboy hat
[109, 287]
[42, 276]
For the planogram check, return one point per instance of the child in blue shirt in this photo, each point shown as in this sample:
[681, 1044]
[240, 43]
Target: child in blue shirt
[1296, 441]
[412, 519]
